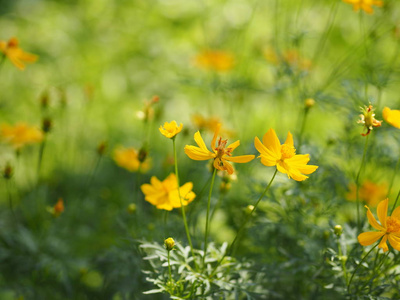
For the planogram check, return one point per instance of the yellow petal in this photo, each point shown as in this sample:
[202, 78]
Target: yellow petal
[289, 140]
[199, 141]
[239, 159]
[197, 153]
[264, 151]
[394, 241]
[267, 161]
[271, 141]
[372, 220]
[396, 213]
[214, 140]
[368, 238]
[382, 211]
[383, 245]
[392, 117]
[234, 145]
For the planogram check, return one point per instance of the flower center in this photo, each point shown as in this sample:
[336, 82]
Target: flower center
[221, 150]
[392, 224]
[287, 151]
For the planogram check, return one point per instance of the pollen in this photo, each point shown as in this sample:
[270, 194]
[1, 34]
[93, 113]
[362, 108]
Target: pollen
[287, 151]
[393, 224]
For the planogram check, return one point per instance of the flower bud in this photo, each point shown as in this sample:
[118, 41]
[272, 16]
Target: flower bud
[338, 230]
[131, 208]
[46, 125]
[169, 244]
[101, 148]
[8, 172]
[308, 103]
[249, 209]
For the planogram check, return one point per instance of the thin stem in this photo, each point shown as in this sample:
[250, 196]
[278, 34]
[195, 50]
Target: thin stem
[395, 202]
[10, 198]
[303, 125]
[358, 183]
[3, 58]
[207, 216]
[355, 270]
[169, 267]
[244, 223]
[393, 177]
[180, 199]
[342, 260]
[41, 151]
[376, 273]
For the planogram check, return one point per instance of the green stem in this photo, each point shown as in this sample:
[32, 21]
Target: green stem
[169, 267]
[244, 223]
[393, 177]
[41, 151]
[355, 270]
[376, 272]
[3, 58]
[358, 184]
[10, 198]
[395, 202]
[303, 125]
[207, 217]
[343, 261]
[180, 199]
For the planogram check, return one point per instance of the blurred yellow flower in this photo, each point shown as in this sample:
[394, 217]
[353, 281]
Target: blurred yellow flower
[170, 130]
[210, 124]
[389, 228]
[215, 60]
[131, 160]
[391, 116]
[291, 58]
[283, 156]
[57, 209]
[365, 5]
[21, 134]
[15, 54]
[165, 195]
[368, 119]
[369, 192]
[221, 154]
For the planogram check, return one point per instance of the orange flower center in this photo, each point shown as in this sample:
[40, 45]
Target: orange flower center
[221, 150]
[392, 224]
[287, 151]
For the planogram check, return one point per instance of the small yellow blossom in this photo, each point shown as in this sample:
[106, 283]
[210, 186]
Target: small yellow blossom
[57, 209]
[221, 153]
[365, 5]
[371, 193]
[291, 58]
[215, 60]
[169, 243]
[389, 228]
[129, 159]
[170, 130]
[15, 54]
[368, 119]
[283, 156]
[20, 135]
[165, 195]
[391, 116]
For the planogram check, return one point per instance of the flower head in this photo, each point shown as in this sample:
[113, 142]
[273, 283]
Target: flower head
[20, 135]
[283, 156]
[214, 60]
[389, 228]
[57, 209]
[221, 153]
[130, 159]
[391, 116]
[368, 119]
[170, 130]
[169, 243]
[371, 193]
[365, 5]
[165, 195]
[15, 54]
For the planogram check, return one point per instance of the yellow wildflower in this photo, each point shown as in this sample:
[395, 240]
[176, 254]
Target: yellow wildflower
[21, 134]
[392, 116]
[369, 192]
[170, 130]
[165, 195]
[283, 156]
[365, 5]
[291, 58]
[221, 153]
[57, 209]
[215, 60]
[389, 228]
[368, 119]
[15, 54]
[129, 159]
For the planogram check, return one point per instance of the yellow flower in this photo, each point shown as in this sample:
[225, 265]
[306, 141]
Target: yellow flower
[392, 116]
[129, 159]
[389, 228]
[170, 130]
[365, 5]
[283, 156]
[221, 153]
[164, 194]
[370, 192]
[215, 60]
[15, 54]
[21, 134]
[368, 119]
[57, 209]
[291, 58]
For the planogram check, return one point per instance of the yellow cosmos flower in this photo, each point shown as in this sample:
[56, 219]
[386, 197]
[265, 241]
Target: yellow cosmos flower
[368, 119]
[131, 160]
[389, 228]
[283, 156]
[214, 60]
[365, 5]
[170, 130]
[21, 134]
[371, 193]
[221, 153]
[165, 195]
[392, 117]
[15, 54]
[57, 209]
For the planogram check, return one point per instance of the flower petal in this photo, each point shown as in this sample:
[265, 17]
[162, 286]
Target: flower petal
[394, 241]
[234, 145]
[368, 238]
[239, 159]
[271, 141]
[199, 141]
[264, 151]
[197, 153]
[214, 140]
[289, 140]
[381, 210]
[383, 245]
[396, 212]
[372, 220]
[392, 117]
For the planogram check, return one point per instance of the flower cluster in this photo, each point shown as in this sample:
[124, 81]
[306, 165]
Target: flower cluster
[15, 54]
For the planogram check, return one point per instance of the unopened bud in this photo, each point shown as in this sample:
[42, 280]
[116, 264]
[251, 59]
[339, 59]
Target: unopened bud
[308, 103]
[131, 208]
[8, 172]
[44, 100]
[101, 148]
[142, 155]
[169, 244]
[46, 125]
[249, 209]
[338, 230]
